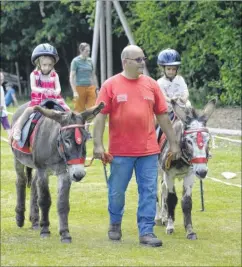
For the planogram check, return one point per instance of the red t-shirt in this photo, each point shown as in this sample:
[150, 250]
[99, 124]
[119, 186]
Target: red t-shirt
[131, 105]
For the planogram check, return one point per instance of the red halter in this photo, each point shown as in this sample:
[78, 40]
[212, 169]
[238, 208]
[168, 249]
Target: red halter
[200, 144]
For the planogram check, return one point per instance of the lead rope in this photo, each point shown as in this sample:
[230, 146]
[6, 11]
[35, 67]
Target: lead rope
[107, 158]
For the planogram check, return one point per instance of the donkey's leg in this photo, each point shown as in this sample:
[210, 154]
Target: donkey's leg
[187, 206]
[158, 207]
[158, 211]
[171, 202]
[63, 206]
[164, 209]
[44, 201]
[21, 192]
[34, 208]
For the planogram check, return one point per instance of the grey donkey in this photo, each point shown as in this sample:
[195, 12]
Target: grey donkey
[59, 148]
[193, 137]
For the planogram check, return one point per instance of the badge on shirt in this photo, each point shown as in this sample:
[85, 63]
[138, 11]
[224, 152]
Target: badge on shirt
[122, 98]
[150, 98]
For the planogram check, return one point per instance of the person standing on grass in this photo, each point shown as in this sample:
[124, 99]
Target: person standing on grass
[3, 109]
[10, 96]
[131, 99]
[83, 81]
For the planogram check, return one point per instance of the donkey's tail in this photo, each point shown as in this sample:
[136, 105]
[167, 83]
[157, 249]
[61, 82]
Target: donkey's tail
[29, 176]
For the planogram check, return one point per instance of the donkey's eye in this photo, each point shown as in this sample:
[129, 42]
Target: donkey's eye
[68, 142]
[189, 142]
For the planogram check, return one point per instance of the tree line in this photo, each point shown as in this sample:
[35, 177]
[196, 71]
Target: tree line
[207, 34]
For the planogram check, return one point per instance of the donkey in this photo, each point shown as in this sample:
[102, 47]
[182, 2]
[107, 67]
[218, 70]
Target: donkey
[59, 147]
[193, 137]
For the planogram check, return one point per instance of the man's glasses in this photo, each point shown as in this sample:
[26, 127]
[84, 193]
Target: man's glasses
[138, 59]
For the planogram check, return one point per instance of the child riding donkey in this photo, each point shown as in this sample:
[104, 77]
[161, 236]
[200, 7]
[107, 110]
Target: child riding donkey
[44, 81]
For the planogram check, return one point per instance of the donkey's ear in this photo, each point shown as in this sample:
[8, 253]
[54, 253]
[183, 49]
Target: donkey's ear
[52, 114]
[90, 113]
[181, 114]
[209, 109]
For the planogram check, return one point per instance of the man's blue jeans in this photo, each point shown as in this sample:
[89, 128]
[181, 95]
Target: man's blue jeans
[146, 169]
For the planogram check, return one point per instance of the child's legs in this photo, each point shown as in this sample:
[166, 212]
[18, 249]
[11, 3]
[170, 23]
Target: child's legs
[80, 101]
[24, 117]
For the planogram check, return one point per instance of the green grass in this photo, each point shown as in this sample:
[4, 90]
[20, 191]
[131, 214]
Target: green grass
[218, 227]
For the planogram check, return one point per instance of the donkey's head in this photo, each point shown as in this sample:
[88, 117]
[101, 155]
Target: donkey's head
[195, 136]
[72, 137]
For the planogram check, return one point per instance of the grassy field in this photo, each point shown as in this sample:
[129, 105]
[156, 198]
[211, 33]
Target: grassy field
[218, 227]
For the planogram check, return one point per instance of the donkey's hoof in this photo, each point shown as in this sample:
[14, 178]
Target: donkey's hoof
[20, 220]
[35, 226]
[45, 235]
[66, 237]
[66, 240]
[170, 231]
[192, 236]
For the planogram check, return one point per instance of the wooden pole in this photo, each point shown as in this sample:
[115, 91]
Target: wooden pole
[19, 84]
[95, 39]
[109, 39]
[103, 60]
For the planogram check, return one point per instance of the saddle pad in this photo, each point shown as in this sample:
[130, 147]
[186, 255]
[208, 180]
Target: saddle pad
[27, 148]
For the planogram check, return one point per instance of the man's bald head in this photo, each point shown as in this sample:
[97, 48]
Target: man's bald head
[130, 50]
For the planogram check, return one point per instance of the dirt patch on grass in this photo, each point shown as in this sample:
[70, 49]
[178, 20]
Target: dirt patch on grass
[226, 118]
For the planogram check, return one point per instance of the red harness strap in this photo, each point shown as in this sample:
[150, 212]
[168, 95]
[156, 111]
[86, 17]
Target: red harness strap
[76, 161]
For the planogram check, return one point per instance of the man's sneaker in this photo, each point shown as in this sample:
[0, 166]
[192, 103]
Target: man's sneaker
[150, 240]
[114, 232]
[17, 135]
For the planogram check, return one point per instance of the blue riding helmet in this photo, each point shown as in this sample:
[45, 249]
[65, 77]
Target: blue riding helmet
[169, 57]
[44, 50]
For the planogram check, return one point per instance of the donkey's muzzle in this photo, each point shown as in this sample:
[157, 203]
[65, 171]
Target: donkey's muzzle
[201, 173]
[78, 177]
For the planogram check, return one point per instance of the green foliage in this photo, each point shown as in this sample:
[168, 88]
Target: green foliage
[206, 33]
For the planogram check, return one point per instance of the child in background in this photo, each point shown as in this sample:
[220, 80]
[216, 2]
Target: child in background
[172, 85]
[3, 110]
[44, 83]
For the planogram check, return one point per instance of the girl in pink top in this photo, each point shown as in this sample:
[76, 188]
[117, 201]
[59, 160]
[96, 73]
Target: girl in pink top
[44, 83]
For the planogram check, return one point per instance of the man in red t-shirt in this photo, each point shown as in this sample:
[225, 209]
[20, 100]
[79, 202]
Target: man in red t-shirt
[131, 99]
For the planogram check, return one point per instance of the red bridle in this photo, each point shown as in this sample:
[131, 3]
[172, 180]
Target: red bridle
[78, 139]
[200, 144]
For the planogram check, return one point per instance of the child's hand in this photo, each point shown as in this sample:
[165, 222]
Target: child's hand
[55, 93]
[48, 92]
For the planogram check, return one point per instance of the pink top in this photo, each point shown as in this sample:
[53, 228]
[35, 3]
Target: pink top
[47, 85]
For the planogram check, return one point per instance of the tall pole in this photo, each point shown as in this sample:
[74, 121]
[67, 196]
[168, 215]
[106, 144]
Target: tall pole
[95, 39]
[102, 44]
[109, 39]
